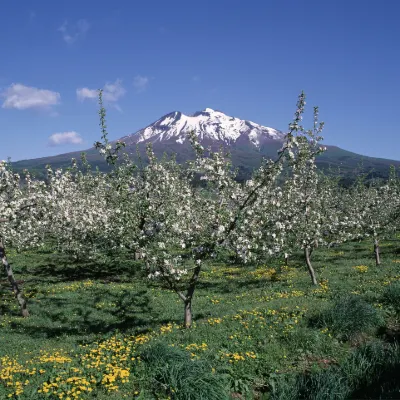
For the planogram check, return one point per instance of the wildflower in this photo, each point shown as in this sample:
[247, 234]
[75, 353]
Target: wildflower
[361, 268]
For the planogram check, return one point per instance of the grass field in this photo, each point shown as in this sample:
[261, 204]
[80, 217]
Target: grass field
[260, 332]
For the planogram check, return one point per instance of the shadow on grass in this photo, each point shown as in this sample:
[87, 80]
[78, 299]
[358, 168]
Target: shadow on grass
[8, 302]
[387, 386]
[61, 269]
[390, 335]
[229, 286]
[61, 316]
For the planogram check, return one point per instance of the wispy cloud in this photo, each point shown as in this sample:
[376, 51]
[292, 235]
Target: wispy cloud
[86, 93]
[22, 97]
[112, 92]
[62, 138]
[140, 83]
[71, 34]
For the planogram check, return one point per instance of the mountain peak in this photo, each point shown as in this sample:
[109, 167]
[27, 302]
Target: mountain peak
[207, 112]
[211, 126]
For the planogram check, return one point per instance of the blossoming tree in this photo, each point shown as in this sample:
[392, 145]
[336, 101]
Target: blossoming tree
[199, 223]
[19, 220]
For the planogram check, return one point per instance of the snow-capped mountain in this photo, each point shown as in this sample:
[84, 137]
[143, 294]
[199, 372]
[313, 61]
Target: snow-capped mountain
[211, 126]
[247, 142]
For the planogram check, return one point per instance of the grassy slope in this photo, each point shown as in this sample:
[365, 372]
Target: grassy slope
[251, 323]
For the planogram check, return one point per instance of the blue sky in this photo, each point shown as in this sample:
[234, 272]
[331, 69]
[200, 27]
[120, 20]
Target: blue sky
[249, 59]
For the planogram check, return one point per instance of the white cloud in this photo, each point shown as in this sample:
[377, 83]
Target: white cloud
[112, 92]
[23, 97]
[77, 31]
[140, 83]
[61, 138]
[86, 93]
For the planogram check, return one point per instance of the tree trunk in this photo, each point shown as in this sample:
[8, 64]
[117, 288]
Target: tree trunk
[189, 297]
[148, 269]
[188, 313]
[286, 259]
[376, 251]
[14, 285]
[310, 267]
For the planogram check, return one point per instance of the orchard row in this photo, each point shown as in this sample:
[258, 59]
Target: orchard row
[154, 212]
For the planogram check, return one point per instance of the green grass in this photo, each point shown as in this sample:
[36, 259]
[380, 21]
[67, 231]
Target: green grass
[350, 316]
[260, 332]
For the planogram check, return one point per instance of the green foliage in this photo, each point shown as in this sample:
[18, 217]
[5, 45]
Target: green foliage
[391, 296]
[360, 376]
[350, 316]
[173, 373]
[238, 310]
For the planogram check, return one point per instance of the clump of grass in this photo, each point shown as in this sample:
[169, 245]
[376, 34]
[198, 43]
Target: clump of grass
[173, 373]
[304, 342]
[320, 385]
[370, 370]
[350, 316]
[391, 296]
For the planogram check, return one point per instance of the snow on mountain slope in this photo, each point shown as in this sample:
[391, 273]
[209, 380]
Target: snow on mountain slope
[209, 125]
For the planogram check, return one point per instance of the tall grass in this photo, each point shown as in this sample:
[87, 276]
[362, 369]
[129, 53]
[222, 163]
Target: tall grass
[391, 296]
[170, 371]
[371, 370]
[350, 316]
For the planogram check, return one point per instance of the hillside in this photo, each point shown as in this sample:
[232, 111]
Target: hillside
[247, 142]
